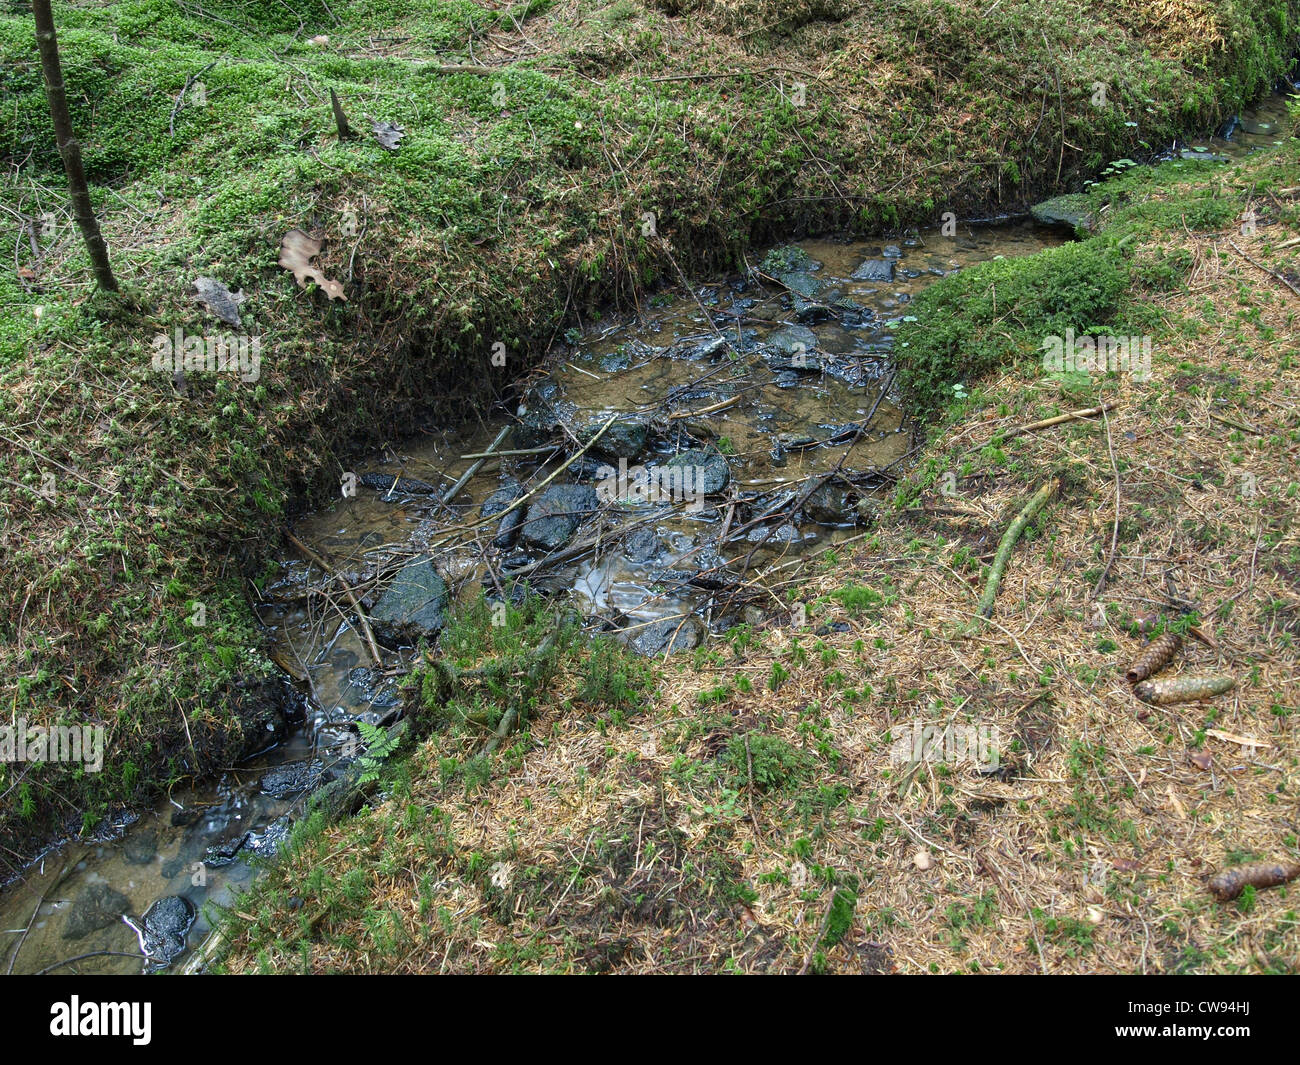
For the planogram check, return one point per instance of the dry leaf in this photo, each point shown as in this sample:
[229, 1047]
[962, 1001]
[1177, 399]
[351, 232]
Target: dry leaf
[1201, 759]
[1179, 808]
[388, 134]
[320, 39]
[219, 299]
[297, 250]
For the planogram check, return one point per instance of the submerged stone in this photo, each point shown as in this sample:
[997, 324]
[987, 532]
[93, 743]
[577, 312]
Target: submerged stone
[290, 778]
[98, 906]
[139, 848]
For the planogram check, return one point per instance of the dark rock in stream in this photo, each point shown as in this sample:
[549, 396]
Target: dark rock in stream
[508, 527]
[641, 545]
[219, 855]
[406, 486]
[626, 438]
[801, 284]
[166, 924]
[98, 906]
[874, 270]
[793, 340]
[172, 866]
[371, 694]
[291, 778]
[828, 504]
[710, 472]
[139, 848]
[413, 605]
[185, 817]
[555, 515]
[668, 634]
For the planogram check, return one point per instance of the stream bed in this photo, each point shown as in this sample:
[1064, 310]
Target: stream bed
[666, 460]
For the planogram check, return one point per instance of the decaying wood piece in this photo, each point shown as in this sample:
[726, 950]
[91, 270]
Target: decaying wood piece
[1158, 654]
[1230, 883]
[1036, 503]
[1183, 689]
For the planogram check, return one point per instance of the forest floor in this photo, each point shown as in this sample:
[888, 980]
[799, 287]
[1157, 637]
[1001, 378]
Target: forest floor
[762, 805]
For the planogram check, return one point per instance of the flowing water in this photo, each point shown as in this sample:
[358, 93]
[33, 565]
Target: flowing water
[781, 376]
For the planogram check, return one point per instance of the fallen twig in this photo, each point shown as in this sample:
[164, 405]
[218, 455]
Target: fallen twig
[1036, 503]
[312, 556]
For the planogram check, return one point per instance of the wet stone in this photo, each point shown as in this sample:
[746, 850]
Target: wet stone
[267, 842]
[555, 515]
[1071, 211]
[98, 906]
[713, 472]
[793, 340]
[625, 438]
[291, 778]
[675, 634]
[185, 818]
[508, 527]
[641, 545]
[166, 924]
[829, 504]
[874, 270]
[801, 284]
[413, 604]
[172, 866]
[219, 855]
[370, 690]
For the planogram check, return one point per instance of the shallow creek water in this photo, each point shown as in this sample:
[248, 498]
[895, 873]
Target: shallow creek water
[785, 379]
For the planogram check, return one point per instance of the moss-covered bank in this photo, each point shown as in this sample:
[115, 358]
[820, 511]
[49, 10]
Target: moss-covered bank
[591, 152]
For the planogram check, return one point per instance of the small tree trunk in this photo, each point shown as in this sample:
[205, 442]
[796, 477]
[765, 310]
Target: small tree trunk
[69, 149]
